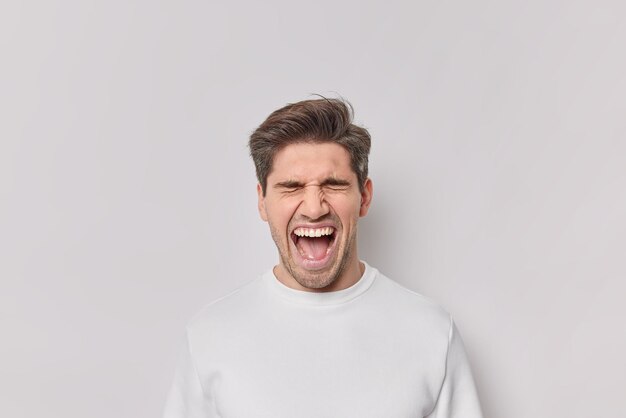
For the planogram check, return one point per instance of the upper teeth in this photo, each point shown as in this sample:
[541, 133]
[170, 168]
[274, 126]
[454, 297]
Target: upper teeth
[314, 232]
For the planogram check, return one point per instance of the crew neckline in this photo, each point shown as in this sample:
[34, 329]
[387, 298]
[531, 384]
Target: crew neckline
[322, 298]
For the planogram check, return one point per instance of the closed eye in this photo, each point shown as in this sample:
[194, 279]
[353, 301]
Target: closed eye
[336, 188]
[335, 184]
[289, 190]
[288, 186]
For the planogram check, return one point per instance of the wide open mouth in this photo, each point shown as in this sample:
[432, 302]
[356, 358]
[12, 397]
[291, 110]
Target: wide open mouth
[314, 244]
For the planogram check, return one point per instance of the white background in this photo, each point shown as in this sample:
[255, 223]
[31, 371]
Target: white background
[128, 198]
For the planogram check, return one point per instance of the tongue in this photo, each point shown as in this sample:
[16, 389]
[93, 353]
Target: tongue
[313, 248]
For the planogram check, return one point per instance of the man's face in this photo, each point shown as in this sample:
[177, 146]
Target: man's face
[312, 204]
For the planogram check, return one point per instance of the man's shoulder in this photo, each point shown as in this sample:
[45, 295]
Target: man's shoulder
[233, 304]
[409, 303]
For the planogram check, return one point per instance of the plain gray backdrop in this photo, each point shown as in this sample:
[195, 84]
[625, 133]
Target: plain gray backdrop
[128, 197]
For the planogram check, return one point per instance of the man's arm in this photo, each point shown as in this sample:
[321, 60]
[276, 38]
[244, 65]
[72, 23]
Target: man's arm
[187, 398]
[457, 396]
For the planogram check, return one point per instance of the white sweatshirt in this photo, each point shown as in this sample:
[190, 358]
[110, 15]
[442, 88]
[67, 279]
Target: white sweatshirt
[373, 350]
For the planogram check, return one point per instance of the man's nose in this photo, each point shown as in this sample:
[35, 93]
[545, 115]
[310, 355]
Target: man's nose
[314, 205]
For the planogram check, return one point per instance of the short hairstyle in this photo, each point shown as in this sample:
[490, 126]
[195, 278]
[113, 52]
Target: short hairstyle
[318, 120]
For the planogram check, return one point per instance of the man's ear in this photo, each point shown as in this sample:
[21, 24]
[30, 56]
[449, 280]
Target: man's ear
[259, 191]
[366, 197]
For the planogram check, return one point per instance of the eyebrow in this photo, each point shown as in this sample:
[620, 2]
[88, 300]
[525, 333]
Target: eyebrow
[330, 181]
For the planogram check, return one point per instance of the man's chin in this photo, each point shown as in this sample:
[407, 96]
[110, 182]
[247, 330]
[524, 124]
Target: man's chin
[314, 279]
[315, 284]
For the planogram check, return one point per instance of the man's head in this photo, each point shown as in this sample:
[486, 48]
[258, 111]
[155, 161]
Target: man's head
[311, 163]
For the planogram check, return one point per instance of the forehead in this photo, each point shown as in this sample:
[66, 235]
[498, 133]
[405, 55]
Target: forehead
[311, 161]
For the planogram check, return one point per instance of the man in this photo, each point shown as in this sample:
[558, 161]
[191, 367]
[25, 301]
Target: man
[323, 334]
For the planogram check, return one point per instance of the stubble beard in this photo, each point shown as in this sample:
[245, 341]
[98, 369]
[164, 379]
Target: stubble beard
[313, 280]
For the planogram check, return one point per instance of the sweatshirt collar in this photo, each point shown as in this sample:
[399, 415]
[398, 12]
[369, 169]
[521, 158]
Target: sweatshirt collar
[322, 298]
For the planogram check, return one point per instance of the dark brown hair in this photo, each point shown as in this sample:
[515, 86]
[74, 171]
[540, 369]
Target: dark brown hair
[318, 120]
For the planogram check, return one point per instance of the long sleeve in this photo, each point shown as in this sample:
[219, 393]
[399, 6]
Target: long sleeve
[186, 398]
[457, 397]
